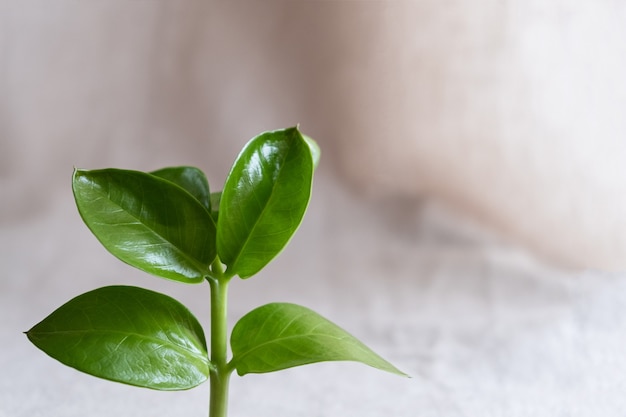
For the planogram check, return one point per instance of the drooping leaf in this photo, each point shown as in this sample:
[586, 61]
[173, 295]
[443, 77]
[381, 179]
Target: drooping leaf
[264, 200]
[281, 335]
[191, 179]
[129, 335]
[147, 222]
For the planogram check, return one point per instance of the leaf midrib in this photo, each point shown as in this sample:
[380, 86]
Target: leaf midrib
[261, 214]
[125, 334]
[348, 338]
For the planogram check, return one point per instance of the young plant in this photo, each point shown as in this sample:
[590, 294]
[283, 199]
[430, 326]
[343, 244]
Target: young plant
[169, 224]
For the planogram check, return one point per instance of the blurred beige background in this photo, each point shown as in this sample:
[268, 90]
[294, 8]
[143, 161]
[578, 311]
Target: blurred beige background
[512, 113]
[474, 167]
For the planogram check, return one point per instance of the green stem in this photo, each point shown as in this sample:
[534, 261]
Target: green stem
[219, 377]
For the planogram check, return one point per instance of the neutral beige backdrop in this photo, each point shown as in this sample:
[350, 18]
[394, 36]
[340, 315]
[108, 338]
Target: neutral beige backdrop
[510, 112]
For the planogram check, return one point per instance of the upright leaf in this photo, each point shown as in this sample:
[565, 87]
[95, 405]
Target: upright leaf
[189, 178]
[129, 335]
[147, 222]
[281, 335]
[264, 200]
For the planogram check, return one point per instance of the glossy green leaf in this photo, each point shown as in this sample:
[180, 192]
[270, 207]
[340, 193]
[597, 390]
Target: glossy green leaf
[264, 200]
[189, 178]
[281, 335]
[129, 335]
[147, 222]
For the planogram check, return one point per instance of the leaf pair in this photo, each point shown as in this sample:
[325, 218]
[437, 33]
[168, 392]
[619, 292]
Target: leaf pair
[143, 338]
[164, 222]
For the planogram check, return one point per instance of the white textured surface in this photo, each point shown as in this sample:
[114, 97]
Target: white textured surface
[483, 329]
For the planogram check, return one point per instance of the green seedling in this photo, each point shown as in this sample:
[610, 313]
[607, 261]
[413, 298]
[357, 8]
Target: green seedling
[168, 224]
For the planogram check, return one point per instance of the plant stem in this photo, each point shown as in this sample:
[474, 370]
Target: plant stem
[218, 403]
[219, 377]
